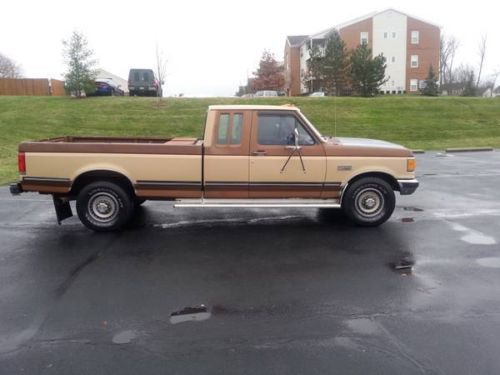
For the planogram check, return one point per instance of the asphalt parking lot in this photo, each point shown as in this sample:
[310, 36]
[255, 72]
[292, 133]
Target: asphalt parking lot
[285, 291]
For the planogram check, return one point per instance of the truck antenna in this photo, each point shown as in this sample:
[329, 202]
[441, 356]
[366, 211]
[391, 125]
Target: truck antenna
[335, 116]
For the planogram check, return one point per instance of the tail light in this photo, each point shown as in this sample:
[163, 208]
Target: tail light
[21, 162]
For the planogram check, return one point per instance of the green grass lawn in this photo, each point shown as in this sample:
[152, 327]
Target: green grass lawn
[415, 122]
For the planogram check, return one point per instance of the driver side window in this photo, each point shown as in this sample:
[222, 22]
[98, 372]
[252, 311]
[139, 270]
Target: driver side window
[280, 129]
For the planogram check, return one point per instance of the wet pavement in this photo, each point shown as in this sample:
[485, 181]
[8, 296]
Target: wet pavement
[260, 291]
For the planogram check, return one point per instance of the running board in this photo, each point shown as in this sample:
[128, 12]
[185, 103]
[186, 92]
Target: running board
[257, 203]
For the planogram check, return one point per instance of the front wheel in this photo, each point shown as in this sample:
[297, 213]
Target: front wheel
[369, 201]
[104, 206]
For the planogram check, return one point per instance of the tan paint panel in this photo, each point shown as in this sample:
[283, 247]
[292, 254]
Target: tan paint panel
[267, 169]
[394, 166]
[134, 166]
[226, 168]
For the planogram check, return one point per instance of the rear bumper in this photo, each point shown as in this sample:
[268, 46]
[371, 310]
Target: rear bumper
[16, 188]
[407, 187]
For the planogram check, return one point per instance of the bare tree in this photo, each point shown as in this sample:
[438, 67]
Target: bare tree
[161, 70]
[449, 46]
[8, 68]
[465, 81]
[482, 53]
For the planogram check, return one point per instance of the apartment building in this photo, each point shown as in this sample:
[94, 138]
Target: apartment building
[409, 44]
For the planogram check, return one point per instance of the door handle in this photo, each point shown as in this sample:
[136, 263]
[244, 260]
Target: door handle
[259, 153]
[293, 147]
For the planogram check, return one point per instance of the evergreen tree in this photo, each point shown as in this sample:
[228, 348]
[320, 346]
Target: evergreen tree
[78, 57]
[329, 64]
[431, 84]
[367, 72]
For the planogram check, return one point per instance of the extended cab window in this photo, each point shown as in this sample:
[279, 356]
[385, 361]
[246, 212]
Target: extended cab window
[236, 129]
[229, 129]
[280, 129]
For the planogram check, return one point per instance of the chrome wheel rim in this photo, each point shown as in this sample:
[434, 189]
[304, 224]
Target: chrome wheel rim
[369, 202]
[103, 207]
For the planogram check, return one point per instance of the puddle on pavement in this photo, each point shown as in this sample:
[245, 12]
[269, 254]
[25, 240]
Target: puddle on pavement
[443, 155]
[408, 220]
[414, 209]
[363, 326]
[403, 266]
[490, 262]
[124, 337]
[473, 236]
[190, 314]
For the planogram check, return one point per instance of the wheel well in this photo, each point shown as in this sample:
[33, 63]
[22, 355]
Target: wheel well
[384, 176]
[101, 175]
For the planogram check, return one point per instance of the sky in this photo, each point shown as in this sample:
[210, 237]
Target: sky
[211, 46]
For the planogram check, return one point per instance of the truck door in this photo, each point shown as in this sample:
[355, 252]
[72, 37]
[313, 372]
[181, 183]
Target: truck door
[279, 167]
[226, 156]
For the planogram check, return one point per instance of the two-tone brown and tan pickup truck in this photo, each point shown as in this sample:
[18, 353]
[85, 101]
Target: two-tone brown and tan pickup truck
[251, 156]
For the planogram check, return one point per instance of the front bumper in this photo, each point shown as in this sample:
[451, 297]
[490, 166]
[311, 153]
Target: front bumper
[407, 187]
[16, 188]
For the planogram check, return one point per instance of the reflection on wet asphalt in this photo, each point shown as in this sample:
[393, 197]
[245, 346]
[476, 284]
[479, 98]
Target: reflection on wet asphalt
[260, 291]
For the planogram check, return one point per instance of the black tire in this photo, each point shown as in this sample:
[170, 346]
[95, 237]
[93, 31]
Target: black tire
[139, 201]
[104, 206]
[369, 201]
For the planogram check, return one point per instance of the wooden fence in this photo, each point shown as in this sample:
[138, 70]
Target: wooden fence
[31, 87]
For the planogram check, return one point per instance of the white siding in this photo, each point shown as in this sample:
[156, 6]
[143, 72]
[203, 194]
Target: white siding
[304, 56]
[394, 26]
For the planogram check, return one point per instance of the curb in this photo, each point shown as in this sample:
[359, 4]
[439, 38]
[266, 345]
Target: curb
[418, 151]
[469, 149]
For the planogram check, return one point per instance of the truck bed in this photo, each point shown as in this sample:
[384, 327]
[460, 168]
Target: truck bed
[134, 145]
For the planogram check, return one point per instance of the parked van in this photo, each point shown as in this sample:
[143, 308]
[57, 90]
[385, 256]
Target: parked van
[142, 82]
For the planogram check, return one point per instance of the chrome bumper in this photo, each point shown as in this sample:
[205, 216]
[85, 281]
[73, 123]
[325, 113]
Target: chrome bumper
[407, 187]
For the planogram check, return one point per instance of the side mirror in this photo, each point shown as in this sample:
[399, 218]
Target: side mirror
[296, 137]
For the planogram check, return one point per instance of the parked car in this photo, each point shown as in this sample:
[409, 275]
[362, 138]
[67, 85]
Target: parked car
[142, 82]
[107, 87]
[266, 93]
[317, 94]
[251, 156]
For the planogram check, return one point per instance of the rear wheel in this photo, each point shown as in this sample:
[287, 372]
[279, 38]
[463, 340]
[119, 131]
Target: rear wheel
[369, 201]
[104, 206]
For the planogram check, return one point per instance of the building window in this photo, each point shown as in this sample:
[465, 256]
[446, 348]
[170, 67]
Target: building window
[394, 35]
[363, 37]
[415, 37]
[385, 35]
[414, 61]
[413, 85]
[393, 59]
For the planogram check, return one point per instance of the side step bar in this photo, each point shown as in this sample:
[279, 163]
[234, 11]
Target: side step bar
[257, 203]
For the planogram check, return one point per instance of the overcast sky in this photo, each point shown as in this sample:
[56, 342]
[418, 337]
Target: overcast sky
[211, 46]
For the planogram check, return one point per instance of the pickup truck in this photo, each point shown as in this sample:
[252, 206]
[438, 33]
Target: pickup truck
[250, 156]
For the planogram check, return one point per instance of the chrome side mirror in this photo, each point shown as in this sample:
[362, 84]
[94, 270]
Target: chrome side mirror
[296, 136]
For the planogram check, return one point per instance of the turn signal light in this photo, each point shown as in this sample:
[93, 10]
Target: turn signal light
[21, 162]
[411, 165]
